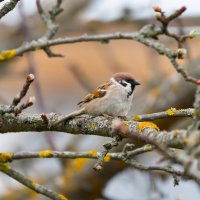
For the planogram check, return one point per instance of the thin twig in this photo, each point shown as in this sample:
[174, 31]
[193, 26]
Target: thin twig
[6, 169]
[92, 154]
[137, 36]
[123, 156]
[172, 112]
[107, 147]
[49, 20]
[18, 97]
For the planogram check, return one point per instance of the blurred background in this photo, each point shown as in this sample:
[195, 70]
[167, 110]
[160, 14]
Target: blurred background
[62, 82]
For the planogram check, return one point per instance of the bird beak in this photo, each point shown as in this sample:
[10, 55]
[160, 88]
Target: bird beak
[136, 82]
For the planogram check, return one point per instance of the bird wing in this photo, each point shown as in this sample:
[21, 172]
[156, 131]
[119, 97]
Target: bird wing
[100, 91]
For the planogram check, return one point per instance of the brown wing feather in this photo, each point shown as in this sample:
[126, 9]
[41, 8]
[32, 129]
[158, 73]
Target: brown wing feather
[97, 93]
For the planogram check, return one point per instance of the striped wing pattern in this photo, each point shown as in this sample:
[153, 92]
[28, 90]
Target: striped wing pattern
[97, 93]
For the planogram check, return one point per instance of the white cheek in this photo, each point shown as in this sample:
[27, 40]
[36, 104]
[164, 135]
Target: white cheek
[125, 90]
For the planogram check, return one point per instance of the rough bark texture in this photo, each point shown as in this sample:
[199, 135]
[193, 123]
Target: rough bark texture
[88, 125]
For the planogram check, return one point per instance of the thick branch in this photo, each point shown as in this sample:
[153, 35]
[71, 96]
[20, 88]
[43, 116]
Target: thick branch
[87, 125]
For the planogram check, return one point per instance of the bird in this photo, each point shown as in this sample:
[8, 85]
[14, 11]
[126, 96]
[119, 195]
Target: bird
[112, 98]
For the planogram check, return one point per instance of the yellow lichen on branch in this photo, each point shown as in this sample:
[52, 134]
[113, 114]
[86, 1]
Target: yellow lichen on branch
[136, 117]
[6, 157]
[92, 153]
[46, 154]
[34, 184]
[107, 158]
[62, 197]
[144, 125]
[7, 54]
[171, 111]
[4, 167]
[92, 126]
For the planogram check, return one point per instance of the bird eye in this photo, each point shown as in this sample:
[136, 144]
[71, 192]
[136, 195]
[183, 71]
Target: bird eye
[123, 83]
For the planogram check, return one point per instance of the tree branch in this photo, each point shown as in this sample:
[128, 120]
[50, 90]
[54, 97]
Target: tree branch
[147, 36]
[87, 125]
[49, 20]
[9, 157]
[127, 157]
[7, 7]
[172, 112]
[137, 36]
[6, 169]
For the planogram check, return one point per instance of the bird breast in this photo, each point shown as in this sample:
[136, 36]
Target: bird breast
[116, 102]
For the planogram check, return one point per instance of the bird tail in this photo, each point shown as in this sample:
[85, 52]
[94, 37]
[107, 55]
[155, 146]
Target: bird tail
[69, 116]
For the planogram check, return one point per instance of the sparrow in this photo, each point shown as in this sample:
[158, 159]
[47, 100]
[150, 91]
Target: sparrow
[112, 98]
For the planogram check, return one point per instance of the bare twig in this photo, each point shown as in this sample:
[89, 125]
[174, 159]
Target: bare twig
[46, 120]
[52, 28]
[6, 169]
[172, 112]
[80, 77]
[183, 159]
[137, 36]
[18, 97]
[165, 20]
[7, 7]
[181, 70]
[23, 106]
[32, 65]
[127, 157]
[10, 157]
[107, 147]
[180, 53]
[143, 167]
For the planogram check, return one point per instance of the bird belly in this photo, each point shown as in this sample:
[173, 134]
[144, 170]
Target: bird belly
[110, 105]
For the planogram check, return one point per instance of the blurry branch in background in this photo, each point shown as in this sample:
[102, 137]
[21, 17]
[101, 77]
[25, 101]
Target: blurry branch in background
[171, 92]
[7, 169]
[80, 76]
[7, 7]
[52, 28]
[32, 68]
[165, 20]
[17, 99]
[172, 112]
[148, 35]
[108, 55]
[125, 156]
